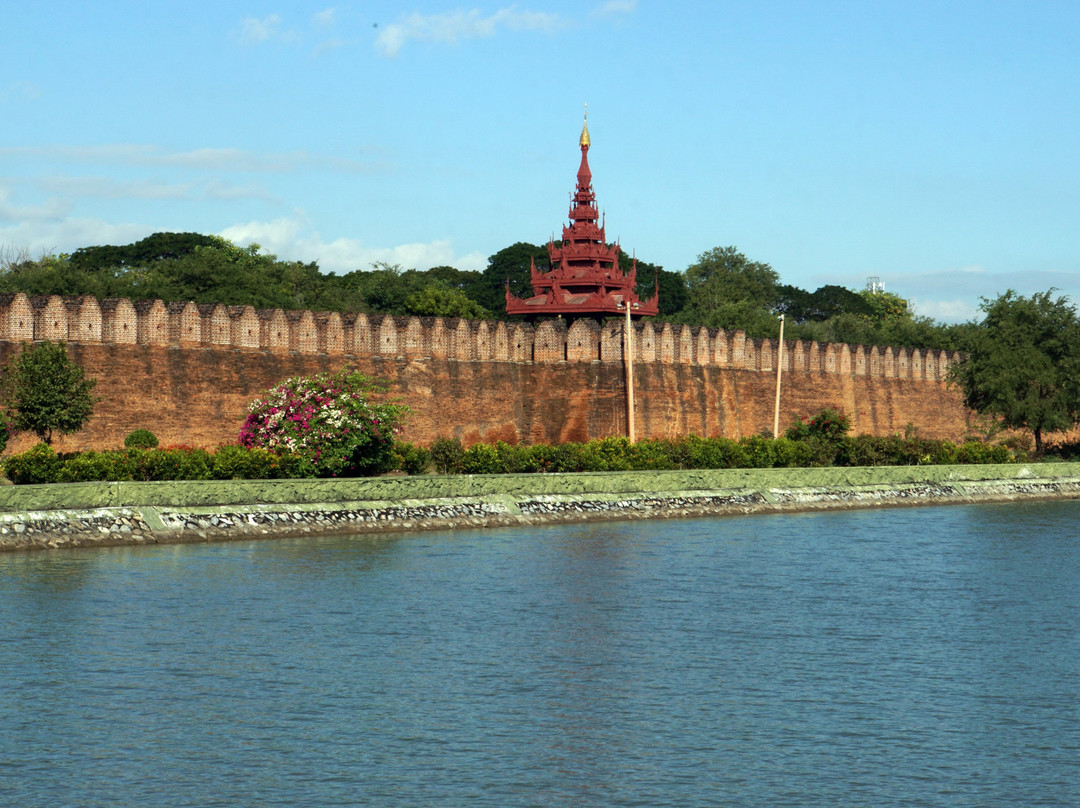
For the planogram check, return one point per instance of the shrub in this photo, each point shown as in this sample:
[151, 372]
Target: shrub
[514, 458]
[293, 467]
[330, 421]
[538, 458]
[760, 451]
[655, 455]
[894, 450]
[481, 458]
[821, 452]
[566, 457]
[592, 456]
[926, 452]
[94, 466]
[447, 455]
[172, 463]
[38, 464]
[866, 450]
[789, 453]
[1019, 445]
[232, 462]
[141, 439]
[616, 453]
[828, 425]
[709, 453]
[412, 459]
[979, 452]
[6, 429]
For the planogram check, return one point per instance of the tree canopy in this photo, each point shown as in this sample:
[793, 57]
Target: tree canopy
[722, 289]
[1023, 364]
[47, 391]
[725, 289]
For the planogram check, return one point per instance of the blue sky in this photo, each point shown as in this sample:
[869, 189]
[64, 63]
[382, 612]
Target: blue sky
[935, 145]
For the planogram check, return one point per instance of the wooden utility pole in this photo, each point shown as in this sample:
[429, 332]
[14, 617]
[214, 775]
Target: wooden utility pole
[628, 356]
[779, 368]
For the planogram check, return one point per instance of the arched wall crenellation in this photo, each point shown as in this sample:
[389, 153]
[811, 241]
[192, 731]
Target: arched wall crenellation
[188, 325]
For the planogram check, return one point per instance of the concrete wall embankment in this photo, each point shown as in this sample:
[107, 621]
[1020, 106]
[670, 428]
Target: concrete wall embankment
[188, 372]
[125, 513]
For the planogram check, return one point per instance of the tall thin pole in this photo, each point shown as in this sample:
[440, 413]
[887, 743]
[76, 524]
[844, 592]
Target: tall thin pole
[628, 355]
[779, 368]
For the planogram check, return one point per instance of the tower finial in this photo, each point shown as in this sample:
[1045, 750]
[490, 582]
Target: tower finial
[585, 128]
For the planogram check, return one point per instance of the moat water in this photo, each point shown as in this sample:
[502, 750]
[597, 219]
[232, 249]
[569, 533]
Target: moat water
[907, 657]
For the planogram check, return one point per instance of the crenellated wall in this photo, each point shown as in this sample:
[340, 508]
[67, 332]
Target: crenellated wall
[191, 325]
[524, 383]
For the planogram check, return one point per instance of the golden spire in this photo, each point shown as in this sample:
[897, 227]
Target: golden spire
[585, 129]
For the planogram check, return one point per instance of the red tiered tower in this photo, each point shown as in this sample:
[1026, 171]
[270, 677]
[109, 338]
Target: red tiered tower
[585, 279]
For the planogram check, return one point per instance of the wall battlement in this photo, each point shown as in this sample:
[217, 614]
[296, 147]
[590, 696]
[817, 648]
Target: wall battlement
[243, 328]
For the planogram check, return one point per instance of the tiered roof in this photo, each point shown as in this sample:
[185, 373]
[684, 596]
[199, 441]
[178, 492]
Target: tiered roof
[585, 279]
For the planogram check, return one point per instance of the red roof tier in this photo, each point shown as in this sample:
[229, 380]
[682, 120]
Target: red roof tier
[585, 279]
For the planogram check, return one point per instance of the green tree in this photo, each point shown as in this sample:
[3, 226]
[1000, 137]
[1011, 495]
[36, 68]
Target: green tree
[464, 279]
[725, 289]
[47, 391]
[435, 300]
[885, 306]
[1023, 364]
[385, 287]
[509, 264]
[649, 276]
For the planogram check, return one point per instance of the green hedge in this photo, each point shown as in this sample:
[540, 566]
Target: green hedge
[815, 449]
[41, 464]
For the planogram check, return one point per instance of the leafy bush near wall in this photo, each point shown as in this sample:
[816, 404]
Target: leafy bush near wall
[41, 464]
[447, 455]
[38, 464]
[91, 466]
[481, 458]
[241, 463]
[828, 425]
[412, 459]
[6, 429]
[334, 421]
[141, 439]
[694, 452]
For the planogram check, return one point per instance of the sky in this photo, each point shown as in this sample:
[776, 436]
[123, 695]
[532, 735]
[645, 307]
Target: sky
[932, 145]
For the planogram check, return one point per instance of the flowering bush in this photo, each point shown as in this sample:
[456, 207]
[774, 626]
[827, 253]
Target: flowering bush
[329, 422]
[828, 425]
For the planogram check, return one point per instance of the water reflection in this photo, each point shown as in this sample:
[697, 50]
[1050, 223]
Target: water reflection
[901, 657]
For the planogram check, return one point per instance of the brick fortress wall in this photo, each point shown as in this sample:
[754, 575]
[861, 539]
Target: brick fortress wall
[187, 372]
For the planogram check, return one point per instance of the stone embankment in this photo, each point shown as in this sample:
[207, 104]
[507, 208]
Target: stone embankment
[125, 513]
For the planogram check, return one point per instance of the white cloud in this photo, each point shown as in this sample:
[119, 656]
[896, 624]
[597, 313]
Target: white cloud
[255, 30]
[324, 18]
[947, 311]
[52, 210]
[66, 235]
[73, 189]
[454, 26]
[953, 294]
[291, 239]
[329, 45]
[207, 159]
[614, 7]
